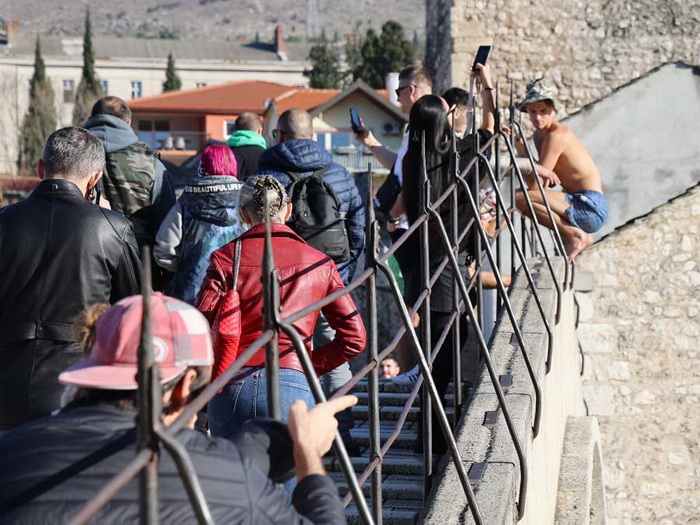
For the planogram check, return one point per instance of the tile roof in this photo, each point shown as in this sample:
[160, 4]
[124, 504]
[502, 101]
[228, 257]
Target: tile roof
[230, 98]
[107, 47]
[233, 98]
[304, 98]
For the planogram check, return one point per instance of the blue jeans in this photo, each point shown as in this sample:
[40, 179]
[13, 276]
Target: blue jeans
[245, 397]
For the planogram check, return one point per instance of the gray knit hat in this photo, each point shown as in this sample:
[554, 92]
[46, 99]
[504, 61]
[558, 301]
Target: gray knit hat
[538, 91]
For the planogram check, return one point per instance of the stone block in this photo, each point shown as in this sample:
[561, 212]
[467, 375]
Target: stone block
[599, 400]
[597, 338]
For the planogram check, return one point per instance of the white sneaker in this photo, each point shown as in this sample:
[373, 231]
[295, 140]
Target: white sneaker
[409, 377]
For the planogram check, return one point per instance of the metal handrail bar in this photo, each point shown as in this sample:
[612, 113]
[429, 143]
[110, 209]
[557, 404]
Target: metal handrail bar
[149, 400]
[506, 304]
[377, 461]
[352, 286]
[493, 377]
[501, 203]
[371, 247]
[554, 228]
[201, 400]
[401, 420]
[188, 474]
[537, 230]
[426, 317]
[319, 396]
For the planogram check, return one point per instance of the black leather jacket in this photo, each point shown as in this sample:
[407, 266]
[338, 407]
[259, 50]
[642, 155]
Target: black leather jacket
[58, 255]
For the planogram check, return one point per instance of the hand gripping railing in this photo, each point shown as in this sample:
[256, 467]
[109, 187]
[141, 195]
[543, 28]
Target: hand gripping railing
[152, 434]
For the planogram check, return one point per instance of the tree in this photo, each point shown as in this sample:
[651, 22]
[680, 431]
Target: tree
[376, 56]
[40, 120]
[368, 68]
[397, 51]
[89, 89]
[325, 72]
[172, 80]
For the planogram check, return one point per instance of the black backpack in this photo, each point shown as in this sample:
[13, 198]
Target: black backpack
[316, 215]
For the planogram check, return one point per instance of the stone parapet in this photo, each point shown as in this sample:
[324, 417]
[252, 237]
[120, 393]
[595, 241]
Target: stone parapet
[497, 492]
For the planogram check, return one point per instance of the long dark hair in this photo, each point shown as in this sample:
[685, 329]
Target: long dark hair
[428, 116]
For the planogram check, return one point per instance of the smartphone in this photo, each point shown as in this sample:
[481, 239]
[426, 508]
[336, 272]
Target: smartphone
[356, 122]
[482, 56]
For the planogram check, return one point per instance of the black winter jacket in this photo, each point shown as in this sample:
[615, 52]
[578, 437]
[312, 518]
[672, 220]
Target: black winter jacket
[58, 255]
[305, 156]
[247, 158]
[51, 467]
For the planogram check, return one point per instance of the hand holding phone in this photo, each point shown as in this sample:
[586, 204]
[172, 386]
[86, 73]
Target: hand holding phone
[482, 55]
[356, 123]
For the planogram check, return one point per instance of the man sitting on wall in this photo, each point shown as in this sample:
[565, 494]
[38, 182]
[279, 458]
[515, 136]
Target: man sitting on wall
[582, 208]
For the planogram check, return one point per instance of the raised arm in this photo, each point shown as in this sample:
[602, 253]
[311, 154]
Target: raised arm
[488, 118]
[385, 156]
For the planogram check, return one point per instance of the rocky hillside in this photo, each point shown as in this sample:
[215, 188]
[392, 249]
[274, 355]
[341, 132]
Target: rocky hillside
[214, 19]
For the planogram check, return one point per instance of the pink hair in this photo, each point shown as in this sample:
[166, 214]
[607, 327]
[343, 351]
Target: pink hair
[218, 160]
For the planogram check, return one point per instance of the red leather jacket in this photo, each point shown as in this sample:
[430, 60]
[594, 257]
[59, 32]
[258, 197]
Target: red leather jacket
[306, 276]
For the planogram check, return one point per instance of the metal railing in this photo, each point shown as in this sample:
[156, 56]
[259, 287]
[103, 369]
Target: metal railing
[152, 435]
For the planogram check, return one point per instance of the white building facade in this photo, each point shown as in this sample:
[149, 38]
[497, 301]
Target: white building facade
[130, 68]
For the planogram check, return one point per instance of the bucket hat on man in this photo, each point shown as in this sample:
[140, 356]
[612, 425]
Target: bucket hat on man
[538, 91]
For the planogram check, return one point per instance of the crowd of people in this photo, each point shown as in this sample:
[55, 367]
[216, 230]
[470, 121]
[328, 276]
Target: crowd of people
[71, 279]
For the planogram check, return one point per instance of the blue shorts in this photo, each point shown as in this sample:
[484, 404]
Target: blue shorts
[588, 210]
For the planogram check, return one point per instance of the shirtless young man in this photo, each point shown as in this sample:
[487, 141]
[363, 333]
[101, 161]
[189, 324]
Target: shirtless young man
[582, 209]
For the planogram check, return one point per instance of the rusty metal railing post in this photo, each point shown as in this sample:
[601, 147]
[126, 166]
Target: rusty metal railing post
[424, 239]
[456, 329]
[149, 400]
[271, 306]
[375, 445]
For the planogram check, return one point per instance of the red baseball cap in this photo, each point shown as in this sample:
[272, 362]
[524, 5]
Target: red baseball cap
[181, 338]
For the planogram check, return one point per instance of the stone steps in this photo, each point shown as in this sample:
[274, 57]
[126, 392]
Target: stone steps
[396, 398]
[392, 413]
[402, 468]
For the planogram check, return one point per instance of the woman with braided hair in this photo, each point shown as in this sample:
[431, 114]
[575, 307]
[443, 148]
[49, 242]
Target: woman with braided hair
[306, 276]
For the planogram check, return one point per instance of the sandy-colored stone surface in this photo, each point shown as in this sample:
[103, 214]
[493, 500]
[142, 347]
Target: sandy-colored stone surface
[640, 333]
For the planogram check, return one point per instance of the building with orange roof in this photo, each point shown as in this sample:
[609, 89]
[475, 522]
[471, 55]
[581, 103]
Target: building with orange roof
[181, 122]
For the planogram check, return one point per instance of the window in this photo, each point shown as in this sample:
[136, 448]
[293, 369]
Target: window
[68, 90]
[334, 140]
[155, 133]
[136, 89]
[229, 127]
[105, 86]
[201, 84]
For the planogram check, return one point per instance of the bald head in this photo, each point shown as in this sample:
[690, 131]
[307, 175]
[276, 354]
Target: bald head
[296, 124]
[249, 121]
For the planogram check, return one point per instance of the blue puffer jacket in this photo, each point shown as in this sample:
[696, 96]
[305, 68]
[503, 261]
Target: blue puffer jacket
[204, 219]
[305, 156]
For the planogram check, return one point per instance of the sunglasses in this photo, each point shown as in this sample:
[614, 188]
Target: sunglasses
[276, 133]
[400, 89]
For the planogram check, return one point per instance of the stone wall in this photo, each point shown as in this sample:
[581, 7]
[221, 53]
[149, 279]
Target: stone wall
[639, 332]
[588, 48]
